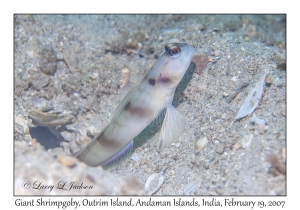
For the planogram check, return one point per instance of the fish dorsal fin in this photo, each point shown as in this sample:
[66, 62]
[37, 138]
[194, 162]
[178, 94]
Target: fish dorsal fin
[173, 126]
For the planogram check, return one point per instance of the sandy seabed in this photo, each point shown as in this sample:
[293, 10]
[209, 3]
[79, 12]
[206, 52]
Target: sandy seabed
[77, 68]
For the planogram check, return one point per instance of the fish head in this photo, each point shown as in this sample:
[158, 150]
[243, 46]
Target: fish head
[169, 69]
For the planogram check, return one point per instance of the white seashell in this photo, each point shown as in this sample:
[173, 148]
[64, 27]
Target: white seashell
[125, 77]
[253, 98]
[150, 179]
[94, 75]
[190, 188]
[136, 156]
[234, 78]
[33, 70]
[247, 140]
[200, 144]
[257, 120]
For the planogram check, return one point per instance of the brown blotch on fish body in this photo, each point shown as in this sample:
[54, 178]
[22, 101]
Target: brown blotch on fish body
[164, 80]
[108, 142]
[152, 81]
[136, 110]
[127, 106]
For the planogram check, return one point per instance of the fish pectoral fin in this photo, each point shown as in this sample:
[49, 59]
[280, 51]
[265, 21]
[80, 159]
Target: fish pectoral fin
[173, 126]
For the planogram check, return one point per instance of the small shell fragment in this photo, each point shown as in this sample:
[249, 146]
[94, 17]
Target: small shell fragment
[200, 144]
[94, 75]
[33, 70]
[51, 119]
[125, 77]
[234, 78]
[151, 179]
[68, 160]
[236, 146]
[247, 140]
[21, 125]
[189, 189]
[136, 156]
[257, 120]
[253, 98]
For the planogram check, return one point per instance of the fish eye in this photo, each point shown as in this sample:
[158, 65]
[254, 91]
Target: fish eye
[174, 51]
